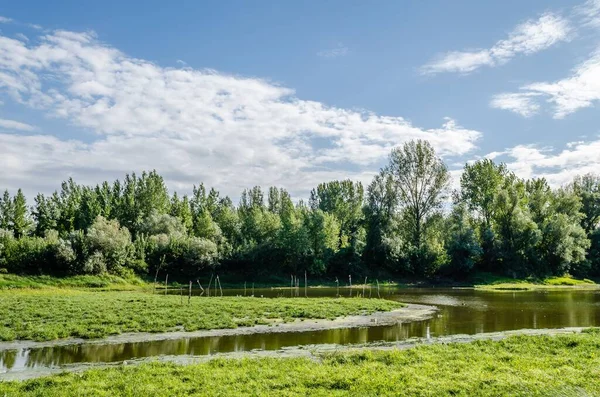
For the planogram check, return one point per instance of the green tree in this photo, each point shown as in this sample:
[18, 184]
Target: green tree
[421, 179]
[480, 182]
[21, 223]
[6, 211]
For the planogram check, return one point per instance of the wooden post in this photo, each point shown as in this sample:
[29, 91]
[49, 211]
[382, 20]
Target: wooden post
[190, 293]
[350, 282]
[220, 287]
[181, 294]
[244, 288]
[305, 285]
[166, 282]
[209, 283]
[291, 285]
[201, 289]
[162, 262]
[252, 289]
[379, 296]
[364, 285]
[337, 283]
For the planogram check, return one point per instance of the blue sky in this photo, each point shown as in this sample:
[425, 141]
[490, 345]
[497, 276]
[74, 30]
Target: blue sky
[234, 93]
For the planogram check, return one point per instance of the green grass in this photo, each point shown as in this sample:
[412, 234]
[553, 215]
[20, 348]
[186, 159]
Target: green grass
[492, 282]
[567, 365]
[47, 314]
[12, 281]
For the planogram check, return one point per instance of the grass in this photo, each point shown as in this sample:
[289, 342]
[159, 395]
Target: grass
[105, 282]
[492, 282]
[567, 365]
[48, 314]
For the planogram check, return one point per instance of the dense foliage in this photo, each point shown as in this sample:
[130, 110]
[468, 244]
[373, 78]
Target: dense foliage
[406, 223]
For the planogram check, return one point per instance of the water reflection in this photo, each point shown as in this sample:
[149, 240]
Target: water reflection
[461, 312]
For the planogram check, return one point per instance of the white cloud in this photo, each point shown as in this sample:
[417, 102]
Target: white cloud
[15, 125]
[559, 167]
[580, 90]
[530, 37]
[521, 103]
[5, 19]
[589, 13]
[191, 125]
[339, 51]
[21, 37]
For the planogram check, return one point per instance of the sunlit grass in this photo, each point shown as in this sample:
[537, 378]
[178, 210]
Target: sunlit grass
[47, 314]
[498, 283]
[106, 282]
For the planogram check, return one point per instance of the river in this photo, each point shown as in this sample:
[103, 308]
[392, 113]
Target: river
[461, 311]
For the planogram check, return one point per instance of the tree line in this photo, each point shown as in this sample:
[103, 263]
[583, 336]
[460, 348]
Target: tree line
[407, 223]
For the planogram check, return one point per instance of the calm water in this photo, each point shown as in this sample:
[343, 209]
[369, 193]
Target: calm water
[461, 311]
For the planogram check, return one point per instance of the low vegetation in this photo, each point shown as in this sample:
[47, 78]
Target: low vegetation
[565, 365]
[102, 282]
[48, 314]
[506, 284]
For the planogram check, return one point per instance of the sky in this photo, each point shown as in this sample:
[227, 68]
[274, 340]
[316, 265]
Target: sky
[235, 94]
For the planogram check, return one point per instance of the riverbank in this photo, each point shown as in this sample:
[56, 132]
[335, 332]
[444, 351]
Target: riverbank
[561, 364]
[49, 314]
[549, 283]
[479, 280]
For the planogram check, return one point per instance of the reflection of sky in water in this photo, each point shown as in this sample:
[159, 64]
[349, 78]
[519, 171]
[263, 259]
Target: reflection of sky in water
[461, 312]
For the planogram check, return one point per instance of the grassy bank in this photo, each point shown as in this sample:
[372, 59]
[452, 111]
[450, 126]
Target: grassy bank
[491, 282]
[47, 314]
[104, 282]
[518, 366]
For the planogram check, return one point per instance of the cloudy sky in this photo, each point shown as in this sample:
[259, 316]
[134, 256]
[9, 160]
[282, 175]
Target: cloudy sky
[290, 94]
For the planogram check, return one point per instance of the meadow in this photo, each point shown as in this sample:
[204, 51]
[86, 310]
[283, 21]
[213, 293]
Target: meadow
[566, 365]
[56, 313]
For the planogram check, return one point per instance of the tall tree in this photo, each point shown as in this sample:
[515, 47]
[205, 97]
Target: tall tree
[587, 187]
[479, 183]
[422, 179]
[21, 222]
[6, 211]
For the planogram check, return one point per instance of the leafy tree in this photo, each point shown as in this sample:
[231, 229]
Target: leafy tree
[113, 242]
[20, 215]
[461, 240]
[422, 181]
[587, 187]
[6, 211]
[480, 183]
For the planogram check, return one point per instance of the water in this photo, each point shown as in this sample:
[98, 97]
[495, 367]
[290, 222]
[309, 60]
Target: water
[461, 311]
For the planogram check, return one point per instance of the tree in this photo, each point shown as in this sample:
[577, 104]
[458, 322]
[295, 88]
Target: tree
[344, 200]
[380, 210]
[422, 181]
[20, 215]
[112, 245]
[6, 211]
[587, 187]
[461, 241]
[480, 183]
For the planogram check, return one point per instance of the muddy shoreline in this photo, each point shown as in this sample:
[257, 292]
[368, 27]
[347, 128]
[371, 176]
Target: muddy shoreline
[408, 313]
[312, 352]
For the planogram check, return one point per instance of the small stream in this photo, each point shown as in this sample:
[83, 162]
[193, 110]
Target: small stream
[461, 311]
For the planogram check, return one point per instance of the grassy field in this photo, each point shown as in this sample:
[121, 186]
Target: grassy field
[47, 314]
[567, 365]
[492, 282]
